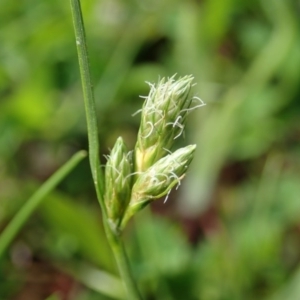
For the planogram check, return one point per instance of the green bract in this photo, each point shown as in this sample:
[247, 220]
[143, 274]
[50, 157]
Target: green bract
[162, 120]
[118, 181]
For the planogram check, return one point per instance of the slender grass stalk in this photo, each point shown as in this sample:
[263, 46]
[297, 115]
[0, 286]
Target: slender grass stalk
[89, 101]
[117, 246]
[90, 108]
[33, 202]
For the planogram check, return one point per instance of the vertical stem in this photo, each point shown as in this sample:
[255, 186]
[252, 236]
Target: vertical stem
[89, 101]
[117, 246]
[114, 238]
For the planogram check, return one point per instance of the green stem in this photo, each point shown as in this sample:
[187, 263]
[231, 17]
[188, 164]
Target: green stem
[114, 239]
[117, 246]
[89, 101]
[24, 213]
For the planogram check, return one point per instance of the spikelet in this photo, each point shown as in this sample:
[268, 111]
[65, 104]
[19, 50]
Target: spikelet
[159, 179]
[118, 182]
[163, 119]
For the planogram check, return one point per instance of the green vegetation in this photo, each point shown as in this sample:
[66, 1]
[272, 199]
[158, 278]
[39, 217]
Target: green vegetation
[231, 230]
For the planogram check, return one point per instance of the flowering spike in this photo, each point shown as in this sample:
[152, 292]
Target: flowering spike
[159, 179]
[162, 120]
[118, 182]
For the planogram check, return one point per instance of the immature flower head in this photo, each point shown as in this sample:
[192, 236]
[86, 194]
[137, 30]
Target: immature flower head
[118, 181]
[162, 120]
[159, 179]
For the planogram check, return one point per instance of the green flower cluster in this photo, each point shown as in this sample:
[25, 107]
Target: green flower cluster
[133, 182]
[118, 182]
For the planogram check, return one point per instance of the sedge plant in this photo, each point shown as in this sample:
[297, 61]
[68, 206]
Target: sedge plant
[133, 179]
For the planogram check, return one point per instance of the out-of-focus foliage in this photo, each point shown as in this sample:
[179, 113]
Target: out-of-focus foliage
[232, 230]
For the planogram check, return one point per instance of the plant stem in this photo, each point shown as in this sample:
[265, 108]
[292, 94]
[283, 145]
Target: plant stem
[24, 213]
[89, 101]
[114, 238]
[117, 246]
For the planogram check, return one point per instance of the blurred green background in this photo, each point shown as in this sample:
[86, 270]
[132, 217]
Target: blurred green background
[232, 230]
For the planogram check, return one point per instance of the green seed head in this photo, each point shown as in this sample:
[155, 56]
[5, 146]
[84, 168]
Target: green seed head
[159, 179]
[118, 181]
[163, 119]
